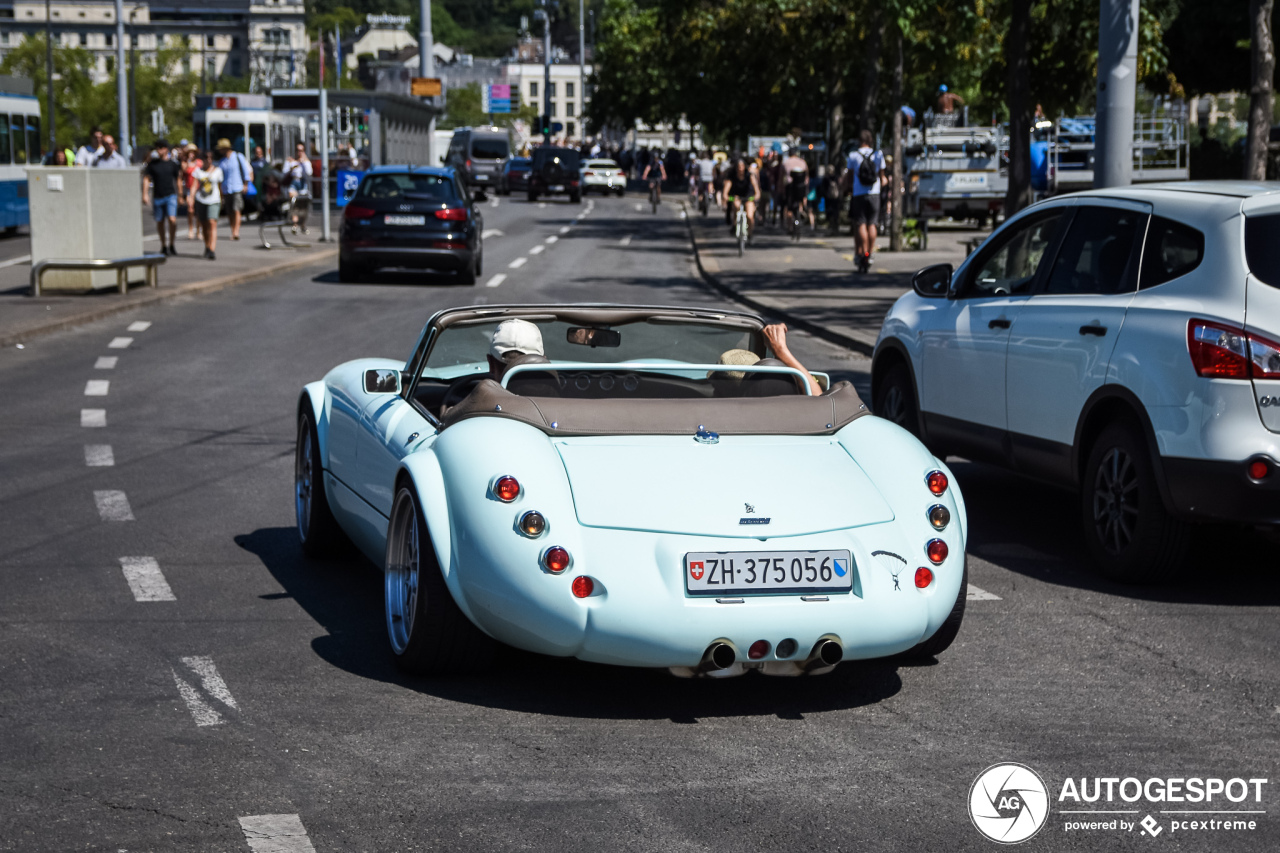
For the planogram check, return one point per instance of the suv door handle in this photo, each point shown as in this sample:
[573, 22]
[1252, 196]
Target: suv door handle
[1099, 331]
[999, 323]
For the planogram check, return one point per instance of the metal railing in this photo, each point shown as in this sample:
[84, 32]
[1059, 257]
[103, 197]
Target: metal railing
[120, 265]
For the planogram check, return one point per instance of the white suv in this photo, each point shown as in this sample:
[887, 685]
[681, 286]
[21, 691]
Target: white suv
[1125, 343]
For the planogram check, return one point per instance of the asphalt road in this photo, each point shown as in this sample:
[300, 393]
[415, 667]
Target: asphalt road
[102, 695]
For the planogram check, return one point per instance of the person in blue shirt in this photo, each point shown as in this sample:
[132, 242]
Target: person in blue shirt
[237, 175]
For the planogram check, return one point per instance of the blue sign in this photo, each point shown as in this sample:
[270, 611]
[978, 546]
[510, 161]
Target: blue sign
[348, 181]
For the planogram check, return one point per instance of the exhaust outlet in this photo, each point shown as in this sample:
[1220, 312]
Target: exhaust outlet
[826, 652]
[719, 655]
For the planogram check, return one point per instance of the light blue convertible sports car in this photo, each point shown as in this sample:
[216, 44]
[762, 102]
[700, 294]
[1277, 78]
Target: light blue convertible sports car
[629, 485]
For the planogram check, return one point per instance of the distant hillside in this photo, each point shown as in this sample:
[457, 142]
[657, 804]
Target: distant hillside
[480, 27]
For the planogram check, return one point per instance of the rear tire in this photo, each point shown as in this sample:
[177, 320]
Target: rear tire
[533, 196]
[318, 531]
[946, 633]
[471, 273]
[349, 273]
[1128, 532]
[428, 632]
[895, 399]
[575, 198]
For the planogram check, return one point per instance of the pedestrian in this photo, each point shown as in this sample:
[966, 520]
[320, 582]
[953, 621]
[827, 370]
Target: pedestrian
[867, 175]
[208, 196]
[190, 161]
[237, 175]
[948, 100]
[831, 192]
[110, 158]
[59, 158]
[260, 169]
[89, 152]
[161, 178]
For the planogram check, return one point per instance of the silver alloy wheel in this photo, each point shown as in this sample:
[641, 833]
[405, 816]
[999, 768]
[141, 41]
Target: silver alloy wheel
[303, 482]
[895, 406]
[1115, 502]
[402, 571]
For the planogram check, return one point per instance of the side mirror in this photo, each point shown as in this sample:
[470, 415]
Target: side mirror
[382, 381]
[933, 282]
[479, 195]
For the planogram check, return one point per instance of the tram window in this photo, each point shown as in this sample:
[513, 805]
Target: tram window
[6, 155]
[257, 136]
[33, 139]
[18, 133]
[232, 132]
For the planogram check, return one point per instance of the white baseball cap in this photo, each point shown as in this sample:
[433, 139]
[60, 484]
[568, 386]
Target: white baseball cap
[516, 336]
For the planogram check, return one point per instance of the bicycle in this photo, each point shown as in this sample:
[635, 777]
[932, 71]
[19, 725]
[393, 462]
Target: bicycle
[703, 192]
[653, 195]
[741, 228]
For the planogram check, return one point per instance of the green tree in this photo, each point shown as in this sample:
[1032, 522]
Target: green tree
[75, 108]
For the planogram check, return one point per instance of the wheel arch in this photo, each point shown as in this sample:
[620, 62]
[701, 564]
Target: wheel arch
[889, 353]
[1116, 404]
[316, 396]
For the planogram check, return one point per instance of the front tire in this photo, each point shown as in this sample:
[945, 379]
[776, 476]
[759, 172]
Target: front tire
[318, 531]
[429, 634]
[1128, 532]
[895, 399]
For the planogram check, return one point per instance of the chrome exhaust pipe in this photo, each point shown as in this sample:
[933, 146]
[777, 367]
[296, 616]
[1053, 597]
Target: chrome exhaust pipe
[719, 655]
[826, 652]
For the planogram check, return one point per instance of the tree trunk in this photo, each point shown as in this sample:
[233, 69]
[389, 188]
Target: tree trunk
[871, 72]
[1019, 94]
[898, 197]
[1261, 94]
[837, 120]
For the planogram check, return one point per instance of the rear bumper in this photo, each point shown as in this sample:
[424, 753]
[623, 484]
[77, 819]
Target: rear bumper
[409, 256]
[1212, 490]
[611, 184]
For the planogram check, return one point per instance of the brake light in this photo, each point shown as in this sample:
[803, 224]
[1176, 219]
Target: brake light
[468, 163]
[621, 174]
[1259, 469]
[924, 577]
[1221, 351]
[506, 488]
[355, 211]
[449, 244]
[583, 586]
[452, 214]
[937, 551]
[937, 482]
[555, 559]
[758, 649]
[589, 174]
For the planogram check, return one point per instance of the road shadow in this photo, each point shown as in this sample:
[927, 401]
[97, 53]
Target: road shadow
[1034, 529]
[396, 278]
[344, 595]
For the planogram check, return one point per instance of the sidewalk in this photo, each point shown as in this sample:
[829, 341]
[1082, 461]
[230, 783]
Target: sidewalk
[23, 317]
[811, 284]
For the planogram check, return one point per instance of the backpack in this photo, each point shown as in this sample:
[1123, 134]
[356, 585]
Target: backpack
[867, 171]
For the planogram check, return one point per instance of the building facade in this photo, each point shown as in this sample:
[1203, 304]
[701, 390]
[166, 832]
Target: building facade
[568, 101]
[264, 40]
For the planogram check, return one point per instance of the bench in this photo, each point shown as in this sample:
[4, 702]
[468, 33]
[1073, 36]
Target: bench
[120, 265]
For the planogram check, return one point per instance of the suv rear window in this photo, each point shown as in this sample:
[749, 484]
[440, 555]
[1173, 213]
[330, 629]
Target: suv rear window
[404, 185]
[489, 148]
[1172, 250]
[568, 157]
[1262, 247]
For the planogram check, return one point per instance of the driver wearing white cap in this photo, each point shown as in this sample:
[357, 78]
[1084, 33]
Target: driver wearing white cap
[511, 340]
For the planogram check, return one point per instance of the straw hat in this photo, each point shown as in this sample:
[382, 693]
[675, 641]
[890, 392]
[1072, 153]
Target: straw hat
[223, 144]
[736, 356]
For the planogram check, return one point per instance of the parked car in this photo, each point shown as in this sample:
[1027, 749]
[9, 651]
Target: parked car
[1122, 342]
[616, 496]
[554, 171]
[514, 176]
[605, 176]
[477, 153]
[411, 216]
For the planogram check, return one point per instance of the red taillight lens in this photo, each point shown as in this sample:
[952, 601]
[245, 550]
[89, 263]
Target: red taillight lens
[1259, 469]
[583, 586]
[924, 577]
[468, 164]
[355, 211]
[758, 649]
[506, 489]
[452, 214]
[1217, 350]
[937, 482]
[448, 244]
[556, 560]
[621, 174]
[937, 551]
[589, 174]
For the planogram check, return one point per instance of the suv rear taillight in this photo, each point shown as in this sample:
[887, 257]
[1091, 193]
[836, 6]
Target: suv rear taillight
[355, 211]
[1220, 351]
[453, 214]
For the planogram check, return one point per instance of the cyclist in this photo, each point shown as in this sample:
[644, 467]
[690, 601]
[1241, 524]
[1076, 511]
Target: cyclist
[706, 175]
[659, 175]
[742, 188]
[796, 171]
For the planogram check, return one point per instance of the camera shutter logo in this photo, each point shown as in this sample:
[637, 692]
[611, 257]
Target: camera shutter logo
[1008, 803]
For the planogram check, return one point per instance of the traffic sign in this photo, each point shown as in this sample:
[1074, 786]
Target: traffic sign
[425, 87]
[497, 98]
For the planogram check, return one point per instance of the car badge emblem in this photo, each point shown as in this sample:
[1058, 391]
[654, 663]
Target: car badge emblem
[749, 509]
[706, 436]
[895, 574]
[696, 570]
[406, 207]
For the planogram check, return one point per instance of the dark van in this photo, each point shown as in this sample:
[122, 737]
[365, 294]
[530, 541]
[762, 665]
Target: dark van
[476, 153]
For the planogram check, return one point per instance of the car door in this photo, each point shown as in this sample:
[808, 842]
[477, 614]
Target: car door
[962, 393]
[390, 428]
[1061, 341]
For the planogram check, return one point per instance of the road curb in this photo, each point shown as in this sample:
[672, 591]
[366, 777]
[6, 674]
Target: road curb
[158, 295]
[790, 319]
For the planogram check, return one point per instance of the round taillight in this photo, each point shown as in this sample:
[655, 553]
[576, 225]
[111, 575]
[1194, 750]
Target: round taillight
[924, 577]
[1259, 469]
[937, 551]
[937, 482]
[555, 559]
[583, 586]
[758, 649]
[506, 488]
[787, 647]
[939, 516]
[532, 523]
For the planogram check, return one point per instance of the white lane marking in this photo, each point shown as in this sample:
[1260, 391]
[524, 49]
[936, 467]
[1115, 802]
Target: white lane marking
[491, 232]
[106, 362]
[139, 326]
[201, 711]
[517, 263]
[113, 506]
[493, 202]
[496, 280]
[97, 387]
[202, 665]
[537, 250]
[541, 205]
[553, 238]
[13, 262]
[976, 594]
[145, 579]
[625, 241]
[99, 456]
[639, 207]
[93, 417]
[119, 343]
[276, 833]
[564, 230]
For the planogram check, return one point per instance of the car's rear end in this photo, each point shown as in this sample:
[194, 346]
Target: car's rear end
[555, 171]
[604, 176]
[515, 175]
[488, 150]
[408, 217]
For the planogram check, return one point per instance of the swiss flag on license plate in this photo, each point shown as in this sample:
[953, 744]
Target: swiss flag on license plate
[696, 570]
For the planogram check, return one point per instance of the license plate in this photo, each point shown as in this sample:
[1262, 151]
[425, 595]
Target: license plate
[482, 177]
[772, 572]
[555, 188]
[406, 220]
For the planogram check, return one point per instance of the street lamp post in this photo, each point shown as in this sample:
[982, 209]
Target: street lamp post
[48, 74]
[427, 68]
[122, 88]
[546, 69]
[582, 64]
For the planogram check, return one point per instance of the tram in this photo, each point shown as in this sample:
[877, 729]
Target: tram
[21, 145]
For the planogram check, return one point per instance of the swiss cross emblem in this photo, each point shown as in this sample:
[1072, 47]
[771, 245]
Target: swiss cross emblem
[696, 569]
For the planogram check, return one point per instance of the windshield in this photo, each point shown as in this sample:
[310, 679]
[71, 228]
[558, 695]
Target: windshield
[406, 186]
[489, 148]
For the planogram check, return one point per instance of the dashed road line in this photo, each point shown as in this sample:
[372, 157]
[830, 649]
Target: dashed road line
[491, 232]
[97, 387]
[106, 362]
[537, 250]
[93, 417]
[496, 280]
[553, 238]
[639, 208]
[517, 263]
[977, 594]
[203, 711]
[276, 833]
[113, 506]
[119, 343]
[625, 241]
[99, 456]
[139, 326]
[541, 205]
[146, 581]
[564, 229]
